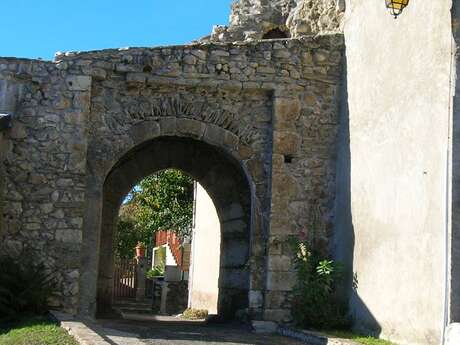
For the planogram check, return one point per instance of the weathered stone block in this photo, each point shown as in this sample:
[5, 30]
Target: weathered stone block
[256, 169]
[287, 111]
[278, 315]
[14, 247]
[190, 127]
[145, 131]
[78, 82]
[275, 299]
[280, 281]
[286, 143]
[236, 253]
[214, 134]
[230, 140]
[168, 125]
[18, 131]
[258, 247]
[190, 60]
[126, 68]
[31, 226]
[233, 278]
[320, 56]
[245, 152]
[282, 54]
[257, 277]
[68, 236]
[275, 245]
[232, 212]
[235, 226]
[280, 203]
[282, 225]
[279, 263]
[136, 78]
[278, 164]
[201, 54]
[96, 73]
[285, 186]
[256, 299]
[219, 53]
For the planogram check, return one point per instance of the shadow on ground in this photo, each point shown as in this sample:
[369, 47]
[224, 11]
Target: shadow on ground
[130, 332]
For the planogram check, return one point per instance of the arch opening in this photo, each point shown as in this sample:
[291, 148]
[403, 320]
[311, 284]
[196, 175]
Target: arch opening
[228, 187]
[276, 33]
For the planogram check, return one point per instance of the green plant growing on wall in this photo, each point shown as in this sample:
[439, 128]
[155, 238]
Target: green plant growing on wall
[315, 304]
[25, 287]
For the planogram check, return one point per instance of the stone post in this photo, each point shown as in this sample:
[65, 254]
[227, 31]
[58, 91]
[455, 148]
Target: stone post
[284, 186]
[141, 269]
[164, 297]
[5, 120]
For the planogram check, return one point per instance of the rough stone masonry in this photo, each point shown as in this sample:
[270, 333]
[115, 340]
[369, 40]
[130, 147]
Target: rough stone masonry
[254, 121]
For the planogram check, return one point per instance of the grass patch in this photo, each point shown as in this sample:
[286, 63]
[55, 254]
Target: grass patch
[195, 314]
[35, 331]
[361, 339]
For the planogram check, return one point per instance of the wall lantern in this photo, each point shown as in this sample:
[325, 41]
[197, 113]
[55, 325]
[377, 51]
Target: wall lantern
[396, 6]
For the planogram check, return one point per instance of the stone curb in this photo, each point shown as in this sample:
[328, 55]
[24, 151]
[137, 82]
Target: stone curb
[313, 338]
[88, 332]
[79, 330]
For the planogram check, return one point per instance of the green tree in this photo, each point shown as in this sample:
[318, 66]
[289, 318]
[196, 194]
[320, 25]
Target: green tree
[163, 201]
[129, 232]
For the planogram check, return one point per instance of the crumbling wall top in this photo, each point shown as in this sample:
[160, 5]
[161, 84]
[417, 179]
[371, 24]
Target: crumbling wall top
[258, 19]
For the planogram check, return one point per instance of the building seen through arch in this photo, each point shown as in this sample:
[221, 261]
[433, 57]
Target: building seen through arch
[175, 270]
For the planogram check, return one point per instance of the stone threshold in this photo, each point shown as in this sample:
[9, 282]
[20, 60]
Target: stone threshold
[87, 332]
[313, 338]
[308, 337]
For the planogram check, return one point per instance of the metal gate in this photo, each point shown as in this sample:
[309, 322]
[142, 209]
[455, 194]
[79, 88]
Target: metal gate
[125, 279]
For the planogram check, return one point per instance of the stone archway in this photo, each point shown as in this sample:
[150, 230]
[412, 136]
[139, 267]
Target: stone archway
[268, 106]
[225, 181]
[210, 161]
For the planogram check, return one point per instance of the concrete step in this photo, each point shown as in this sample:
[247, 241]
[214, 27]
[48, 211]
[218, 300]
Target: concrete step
[133, 306]
[132, 302]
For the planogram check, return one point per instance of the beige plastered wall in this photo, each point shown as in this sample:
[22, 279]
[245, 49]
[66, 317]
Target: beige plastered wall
[398, 84]
[205, 260]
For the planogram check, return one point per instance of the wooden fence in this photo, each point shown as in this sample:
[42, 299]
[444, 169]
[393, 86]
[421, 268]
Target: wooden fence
[125, 279]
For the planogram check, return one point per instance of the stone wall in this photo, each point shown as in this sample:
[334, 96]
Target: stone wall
[176, 300]
[45, 169]
[392, 197]
[270, 106]
[3, 150]
[252, 19]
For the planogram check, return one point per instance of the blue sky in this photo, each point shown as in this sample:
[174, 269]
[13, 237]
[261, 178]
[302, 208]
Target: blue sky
[39, 28]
